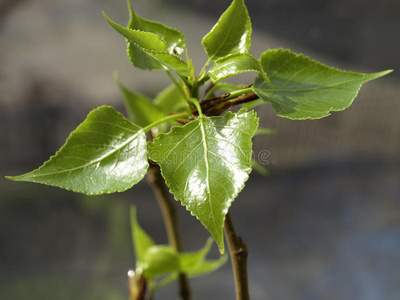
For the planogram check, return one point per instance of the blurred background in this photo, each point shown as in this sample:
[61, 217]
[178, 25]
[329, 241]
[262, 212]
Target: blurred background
[325, 223]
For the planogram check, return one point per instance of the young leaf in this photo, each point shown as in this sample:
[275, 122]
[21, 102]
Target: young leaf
[141, 109]
[195, 264]
[105, 154]
[234, 64]
[265, 131]
[171, 99]
[206, 163]
[260, 169]
[175, 40]
[146, 40]
[159, 260]
[148, 49]
[306, 89]
[189, 260]
[141, 240]
[231, 34]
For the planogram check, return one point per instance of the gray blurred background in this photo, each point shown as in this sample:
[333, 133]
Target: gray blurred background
[325, 224]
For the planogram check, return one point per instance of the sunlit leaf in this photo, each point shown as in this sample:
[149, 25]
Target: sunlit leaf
[175, 40]
[141, 109]
[305, 88]
[149, 49]
[231, 34]
[206, 163]
[232, 65]
[105, 154]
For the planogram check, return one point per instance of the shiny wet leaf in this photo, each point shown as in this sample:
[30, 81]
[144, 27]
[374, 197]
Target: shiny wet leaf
[105, 154]
[206, 163]
[231, 34]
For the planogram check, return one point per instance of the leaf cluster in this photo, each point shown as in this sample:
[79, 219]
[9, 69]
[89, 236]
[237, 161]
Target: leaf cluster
[205, 157]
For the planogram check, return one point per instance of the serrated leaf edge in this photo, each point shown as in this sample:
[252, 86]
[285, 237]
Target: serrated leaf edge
[63, 146]
[327, 112]
[234, 196]
[220, 20]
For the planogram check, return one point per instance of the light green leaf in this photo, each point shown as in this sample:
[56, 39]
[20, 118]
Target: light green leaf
[173, 62]
[190, 260]
[259, 168]
[149, 51]
[231, 34]
[171, 99]
[141, 240]
[174, 39]
[195, 264]
[206, 163]
[306, 89]
[265, 131]
[146, 40]
[141, 109]
[234, 64]
[208, 266]
[105, 154]
[159, 260]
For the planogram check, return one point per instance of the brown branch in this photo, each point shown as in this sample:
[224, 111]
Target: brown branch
[238, 252]
[222, 105]
[170, 219]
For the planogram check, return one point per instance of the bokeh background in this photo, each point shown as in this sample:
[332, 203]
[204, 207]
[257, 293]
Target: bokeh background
[325, 224]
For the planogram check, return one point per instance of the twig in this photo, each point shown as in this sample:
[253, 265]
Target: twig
[170, 219]
[238, 252]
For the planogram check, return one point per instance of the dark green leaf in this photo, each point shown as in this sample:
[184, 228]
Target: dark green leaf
[105, 154]
[141, 109]
[306, 89]
[234, 64]
[206, 163]
[175, 40]
[231, 34]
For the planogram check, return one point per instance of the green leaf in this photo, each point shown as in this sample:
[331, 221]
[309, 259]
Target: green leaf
[141, 240]
[158, 260]
[206, 163]
[234, 64]
[190, 260]
[173, 62]
[149, 51]
[306, 89]
[141, 109]
[265, 131]
[171, 99]
[174, 39]
[259, 168]
[105, 154]
[195, 264]
[146, 40]
[231, 34]
[208, 266]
